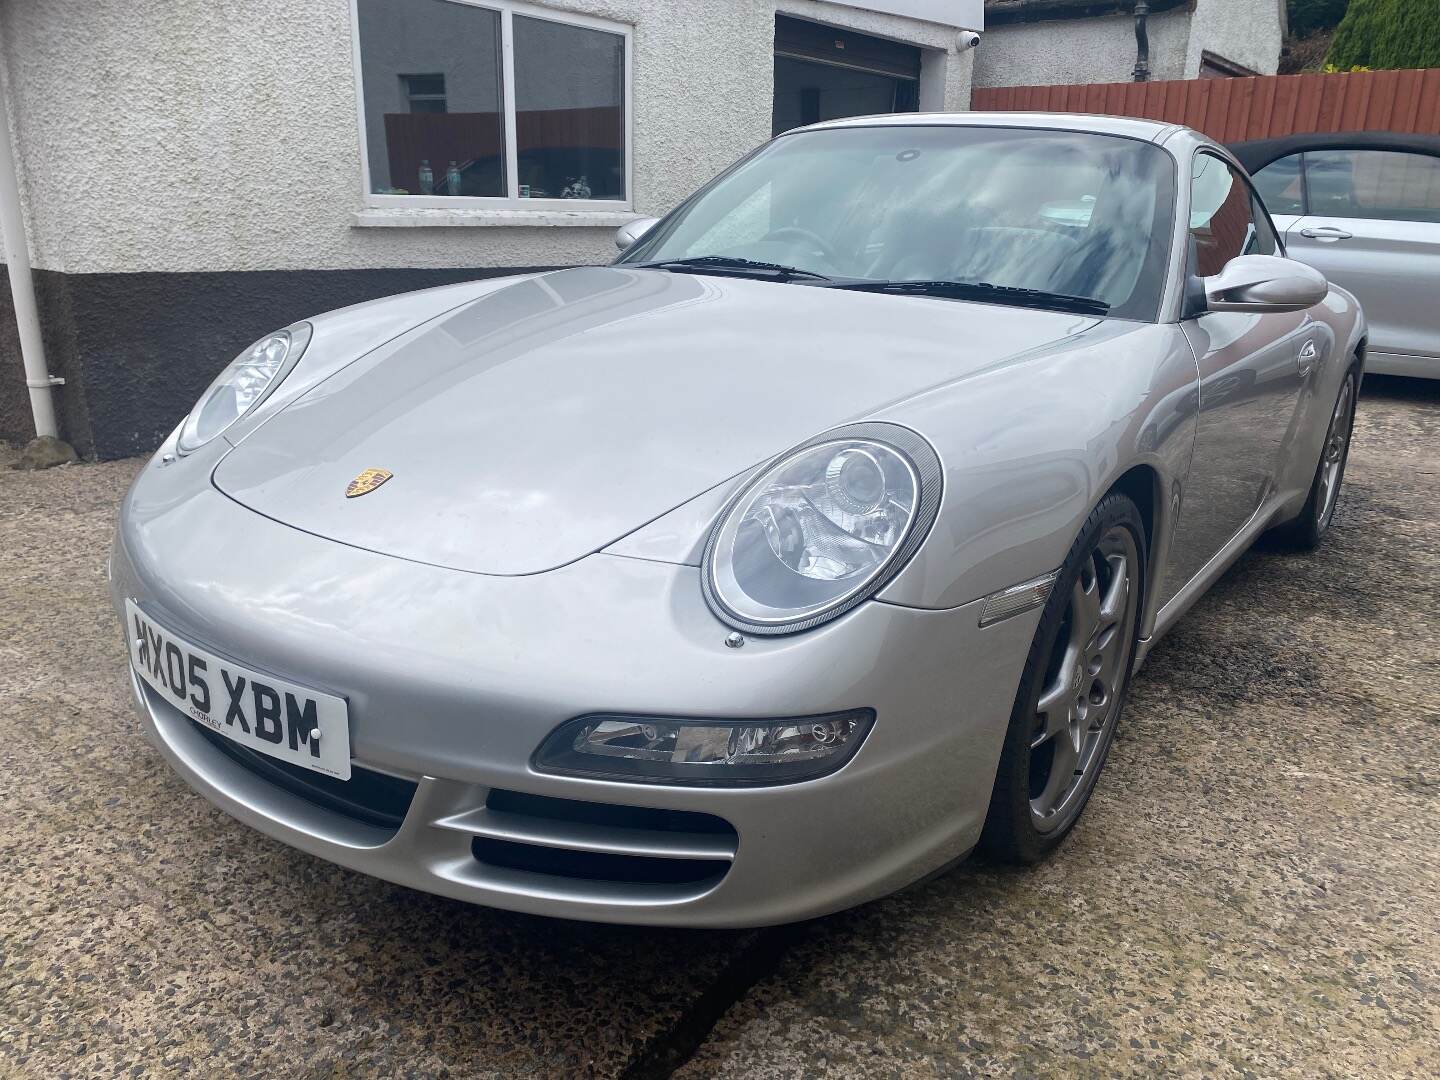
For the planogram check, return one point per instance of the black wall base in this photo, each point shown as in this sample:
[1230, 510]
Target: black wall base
[16, 426]
[136, 350]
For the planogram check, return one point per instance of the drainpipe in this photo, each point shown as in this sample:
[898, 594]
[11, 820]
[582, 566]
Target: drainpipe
[1142, 42]
[22, 285]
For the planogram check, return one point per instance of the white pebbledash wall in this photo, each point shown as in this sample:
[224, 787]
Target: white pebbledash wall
[194, 135]
[1069, 52]
[1102, 50]
[1249, 32]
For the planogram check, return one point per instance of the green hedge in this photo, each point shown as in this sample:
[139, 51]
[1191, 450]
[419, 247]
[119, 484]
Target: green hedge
[1387, 34]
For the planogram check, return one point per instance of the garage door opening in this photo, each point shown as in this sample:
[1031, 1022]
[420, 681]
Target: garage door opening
[822, 73]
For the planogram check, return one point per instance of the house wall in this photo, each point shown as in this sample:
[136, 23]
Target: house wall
[191, 173]
[1075, 51]
[1248, 32]
[1060, 52]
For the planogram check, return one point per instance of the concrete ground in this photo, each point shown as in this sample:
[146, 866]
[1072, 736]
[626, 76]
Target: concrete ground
[1254, 890]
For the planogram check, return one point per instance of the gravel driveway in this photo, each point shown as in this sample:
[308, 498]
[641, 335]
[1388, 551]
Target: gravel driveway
[1254, 890]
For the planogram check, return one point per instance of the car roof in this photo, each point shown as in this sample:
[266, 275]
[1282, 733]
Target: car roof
[1128, 126]
[1257, 153]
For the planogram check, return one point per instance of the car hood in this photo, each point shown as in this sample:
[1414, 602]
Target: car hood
[545, 420]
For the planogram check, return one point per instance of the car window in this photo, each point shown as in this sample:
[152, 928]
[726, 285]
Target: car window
[747, 223]
[1223, 217]
[1373, 184]
[1076, 213]
[1264, 241]
[1280, 185]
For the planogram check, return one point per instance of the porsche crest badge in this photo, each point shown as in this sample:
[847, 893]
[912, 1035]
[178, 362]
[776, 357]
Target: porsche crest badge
[367, 482]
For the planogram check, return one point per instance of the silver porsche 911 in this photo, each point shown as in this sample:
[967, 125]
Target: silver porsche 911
[779, 564]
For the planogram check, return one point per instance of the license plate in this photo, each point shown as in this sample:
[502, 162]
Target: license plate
[260, 712]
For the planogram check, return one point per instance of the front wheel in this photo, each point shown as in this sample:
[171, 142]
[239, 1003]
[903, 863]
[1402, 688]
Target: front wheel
[1073, 689]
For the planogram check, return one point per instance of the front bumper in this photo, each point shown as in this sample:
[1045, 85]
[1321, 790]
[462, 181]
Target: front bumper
[454, 679]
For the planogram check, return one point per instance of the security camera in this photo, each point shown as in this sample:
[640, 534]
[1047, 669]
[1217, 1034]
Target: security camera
[967, 39]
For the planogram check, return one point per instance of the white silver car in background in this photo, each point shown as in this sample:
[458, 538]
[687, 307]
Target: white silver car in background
[1364, 209]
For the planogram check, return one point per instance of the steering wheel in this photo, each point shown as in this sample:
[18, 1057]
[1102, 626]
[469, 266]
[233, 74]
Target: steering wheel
[798, 232]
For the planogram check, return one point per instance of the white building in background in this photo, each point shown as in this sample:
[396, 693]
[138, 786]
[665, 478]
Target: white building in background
[195, 174]
[1068, 42]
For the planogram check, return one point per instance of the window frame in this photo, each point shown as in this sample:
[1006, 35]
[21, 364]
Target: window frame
[1260, 212]
[507, 10]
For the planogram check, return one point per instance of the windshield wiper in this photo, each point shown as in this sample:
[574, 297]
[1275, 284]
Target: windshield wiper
[984, 291]
[727, 264]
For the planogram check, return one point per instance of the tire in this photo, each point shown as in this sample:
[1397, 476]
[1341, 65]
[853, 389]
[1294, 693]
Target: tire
[1073, 688]
[1306, 530]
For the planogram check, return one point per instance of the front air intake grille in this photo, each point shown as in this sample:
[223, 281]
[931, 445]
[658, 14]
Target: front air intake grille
[371, 798]
[598, 842]
[594, 865]
[626, 817]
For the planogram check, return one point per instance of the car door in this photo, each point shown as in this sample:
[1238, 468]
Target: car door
[1251, 374]
[1371, 223]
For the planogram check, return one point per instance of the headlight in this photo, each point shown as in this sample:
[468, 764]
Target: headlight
[822, 528]
[243, 385]
[715, 752]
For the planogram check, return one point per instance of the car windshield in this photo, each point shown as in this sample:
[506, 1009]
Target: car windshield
[1036, 217]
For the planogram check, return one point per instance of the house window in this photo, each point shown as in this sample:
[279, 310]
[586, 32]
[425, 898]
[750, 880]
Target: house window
[426, 93]
[468, 100]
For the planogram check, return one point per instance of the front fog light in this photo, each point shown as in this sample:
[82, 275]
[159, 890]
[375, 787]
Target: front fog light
[665, 750]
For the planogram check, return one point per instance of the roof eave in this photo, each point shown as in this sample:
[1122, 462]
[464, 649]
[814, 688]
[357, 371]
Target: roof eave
[1005, 12]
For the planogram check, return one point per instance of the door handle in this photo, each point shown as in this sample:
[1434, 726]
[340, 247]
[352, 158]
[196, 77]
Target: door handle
[1306, 360]
[1326, 232]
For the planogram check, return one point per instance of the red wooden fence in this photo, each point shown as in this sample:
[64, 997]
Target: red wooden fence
[1230, 110]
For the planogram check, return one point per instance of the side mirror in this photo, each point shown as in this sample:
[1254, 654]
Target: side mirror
[628, 234]
[1264, 283]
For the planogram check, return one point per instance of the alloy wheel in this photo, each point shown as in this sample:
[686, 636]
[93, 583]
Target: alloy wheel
[1079, 698]
[1332, 459]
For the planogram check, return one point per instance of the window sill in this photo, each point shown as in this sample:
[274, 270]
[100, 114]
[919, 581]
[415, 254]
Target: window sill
[388, 218]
